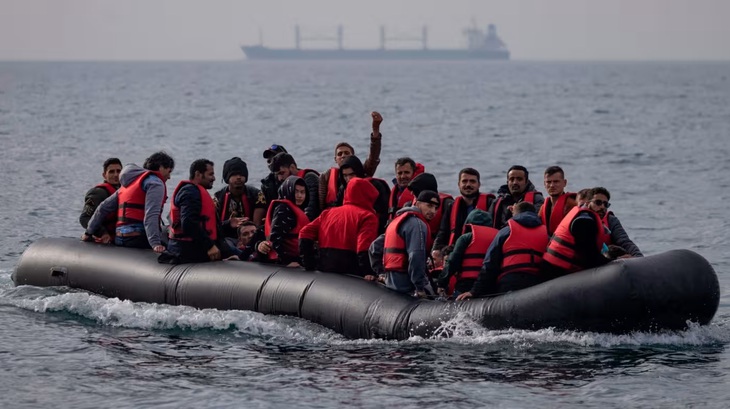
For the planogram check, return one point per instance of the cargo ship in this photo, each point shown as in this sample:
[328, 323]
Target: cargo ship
[481, 45]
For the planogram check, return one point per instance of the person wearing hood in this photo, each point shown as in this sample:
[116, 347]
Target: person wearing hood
[270, 184]
[344, 233]
[456, 212]
[284, 166]
[518, 189]
[138, 204]
[405, 170]
[238, 202]
[405, 247]
[285, 219]
[513, 260]
[465, 260]
[97, 194]
[329, 183]
[352, 167]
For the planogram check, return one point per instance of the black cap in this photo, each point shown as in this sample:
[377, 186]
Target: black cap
[273, 150]
[234, 166]
[429, 196]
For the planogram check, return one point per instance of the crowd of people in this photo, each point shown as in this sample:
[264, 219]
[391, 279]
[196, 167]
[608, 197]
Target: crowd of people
[405, 234]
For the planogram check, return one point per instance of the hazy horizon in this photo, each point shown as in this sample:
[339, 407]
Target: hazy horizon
[187, 30]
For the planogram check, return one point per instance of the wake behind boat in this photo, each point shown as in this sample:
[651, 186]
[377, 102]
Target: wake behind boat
[666, 291]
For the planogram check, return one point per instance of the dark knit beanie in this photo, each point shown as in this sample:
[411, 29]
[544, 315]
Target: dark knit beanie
[424, 181]
[234, 166]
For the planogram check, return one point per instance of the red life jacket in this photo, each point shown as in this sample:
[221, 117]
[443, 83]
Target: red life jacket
[529, 198]
[556, 212]
[303, 172]
[395, 255]
[523, 249]
[208, 221]
[482, 203]
[110, 221]
[332, 188]
[473, 259]
[561, 247]
[244, 203]
[291, 239]
[609, 241]
[131, 200]
[397, 202]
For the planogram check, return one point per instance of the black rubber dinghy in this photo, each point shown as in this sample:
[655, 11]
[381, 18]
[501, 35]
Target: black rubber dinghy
[666, 291]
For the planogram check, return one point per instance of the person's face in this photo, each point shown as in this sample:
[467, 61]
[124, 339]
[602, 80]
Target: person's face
[245, 234]
[468, 184]
[236, 181]
[111, 174]
[404, 174]
[283, 173]
[341, 154]
[555, 184]
[300, 193]
[516, 182]
[599, 204]
[428, 209]
[208, 177]
[347, 174]
[165, 172]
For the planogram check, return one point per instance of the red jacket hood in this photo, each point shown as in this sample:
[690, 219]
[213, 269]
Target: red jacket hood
[361, 193]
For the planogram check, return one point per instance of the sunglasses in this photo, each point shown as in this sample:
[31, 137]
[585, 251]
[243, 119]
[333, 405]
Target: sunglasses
[274, 147]
[599, 202]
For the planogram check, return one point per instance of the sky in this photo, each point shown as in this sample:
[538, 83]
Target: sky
[72, 30]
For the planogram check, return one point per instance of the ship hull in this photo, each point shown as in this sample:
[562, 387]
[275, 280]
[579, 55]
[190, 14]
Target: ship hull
[264, 53]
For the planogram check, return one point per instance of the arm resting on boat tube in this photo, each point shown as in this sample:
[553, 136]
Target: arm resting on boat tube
[621, 238]
[153, 202]
[108, 206]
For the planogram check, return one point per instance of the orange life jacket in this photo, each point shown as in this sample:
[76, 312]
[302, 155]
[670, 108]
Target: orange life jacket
[291, 239]
[529, 198]
[131, 200]
[332, 188]
[395, 255]
[435, 223]
[208, 221]
[303, 172]
[397, 202]
[523, 249]
[482, 203]
[561, 247]
[609, 241]
[244, 203]
[557, 211]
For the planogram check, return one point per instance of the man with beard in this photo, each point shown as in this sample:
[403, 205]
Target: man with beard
[405, 252]
[452, 224]
[577, 244]
[597, 201]
[193, 222]
[238, 202]
[518, 189]
[99, 193]
[405, 170]
[329, 183]
[559, 201]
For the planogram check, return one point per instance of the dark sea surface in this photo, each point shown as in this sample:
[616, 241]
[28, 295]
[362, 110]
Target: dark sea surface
[655, 134]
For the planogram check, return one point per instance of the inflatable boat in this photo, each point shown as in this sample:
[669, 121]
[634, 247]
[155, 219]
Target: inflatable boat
[666, 291]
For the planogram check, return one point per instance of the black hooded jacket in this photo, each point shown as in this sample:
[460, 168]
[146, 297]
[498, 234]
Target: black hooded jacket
[283, 219]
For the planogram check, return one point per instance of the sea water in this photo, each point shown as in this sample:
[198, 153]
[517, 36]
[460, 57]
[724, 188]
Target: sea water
[654, 134]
